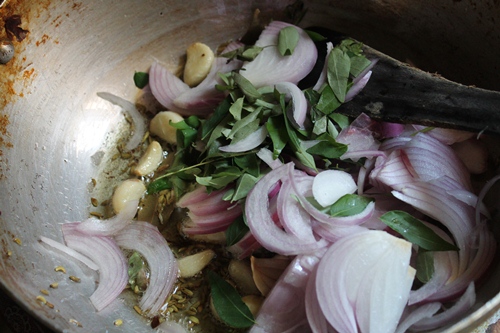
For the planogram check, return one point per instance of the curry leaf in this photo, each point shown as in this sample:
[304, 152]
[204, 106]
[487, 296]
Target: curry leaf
[278, 134]
[250, 53]
[135, 264]
[228, 304]
[246, 87]
[221, 178]
[141, 79]
[236, 109]
[358, 65]
[415, 231]
[249, 163]
[338, 72]
[236, 231]
[328, 101]
[315, 36]
[327, 147]
[424, 265]
[349, 204]
[219, 114]
[159, 185]
[288, 39]
[243, 186]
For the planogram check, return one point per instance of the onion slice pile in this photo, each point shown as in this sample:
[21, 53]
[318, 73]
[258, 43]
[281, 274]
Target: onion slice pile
[98, 243]
[270, 67]
[364, 281]
[104, 251]
[69, 251]
[261, 223]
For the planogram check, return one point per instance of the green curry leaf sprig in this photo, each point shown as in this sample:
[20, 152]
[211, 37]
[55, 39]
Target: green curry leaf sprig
[248, 108]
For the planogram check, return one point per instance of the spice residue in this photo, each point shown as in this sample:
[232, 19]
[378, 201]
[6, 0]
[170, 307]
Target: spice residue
[13, 28]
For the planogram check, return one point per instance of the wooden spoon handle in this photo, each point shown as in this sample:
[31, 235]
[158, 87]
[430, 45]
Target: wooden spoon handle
[397, 92]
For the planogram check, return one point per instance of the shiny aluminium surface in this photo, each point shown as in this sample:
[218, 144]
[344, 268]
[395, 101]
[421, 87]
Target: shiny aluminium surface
[56, 135]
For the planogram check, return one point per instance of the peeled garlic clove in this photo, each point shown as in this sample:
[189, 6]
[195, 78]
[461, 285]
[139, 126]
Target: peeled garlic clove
[130, 189]
[254, 303]
[151, 159]
[198, 63]
[266, 271]
[241, 273]
[193, 264]
[160, 125]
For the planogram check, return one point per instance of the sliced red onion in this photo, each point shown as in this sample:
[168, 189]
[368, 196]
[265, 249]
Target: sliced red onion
[323, 76]
[365, 71]
[245, 246]
[104, 251]
[198, 195]
[392, 171]
[261, 223]
[248, 143]
[150, 243]
[166, 87]
[299, 102]
[470, 199]
[394, 143]
[292, 217]
[315, 316]
[417, 314]
[442, 272]
[209, 224]
[333, 233]
[390, 130]
[436, 203]
[486, 247]
[133, 113]
[211, 205]
[358, 86]
[284, 307]
[270, 66]
[359, 139]
[69, 251]
[432, 159]
[96, 227]
[450, 315]
[364, 280]
[267, 157]
[303, 185]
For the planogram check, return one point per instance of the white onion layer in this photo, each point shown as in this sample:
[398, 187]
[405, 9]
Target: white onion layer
[363, 282]
[270, 67]
[134, 114]
[104, 251]
[150, 243]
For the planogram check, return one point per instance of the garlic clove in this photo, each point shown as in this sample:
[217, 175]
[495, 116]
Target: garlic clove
[191, 265]
[200, 58]
[241, 273]
[160, 125]
[151, 159]
[254, 303]
[130, 189]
